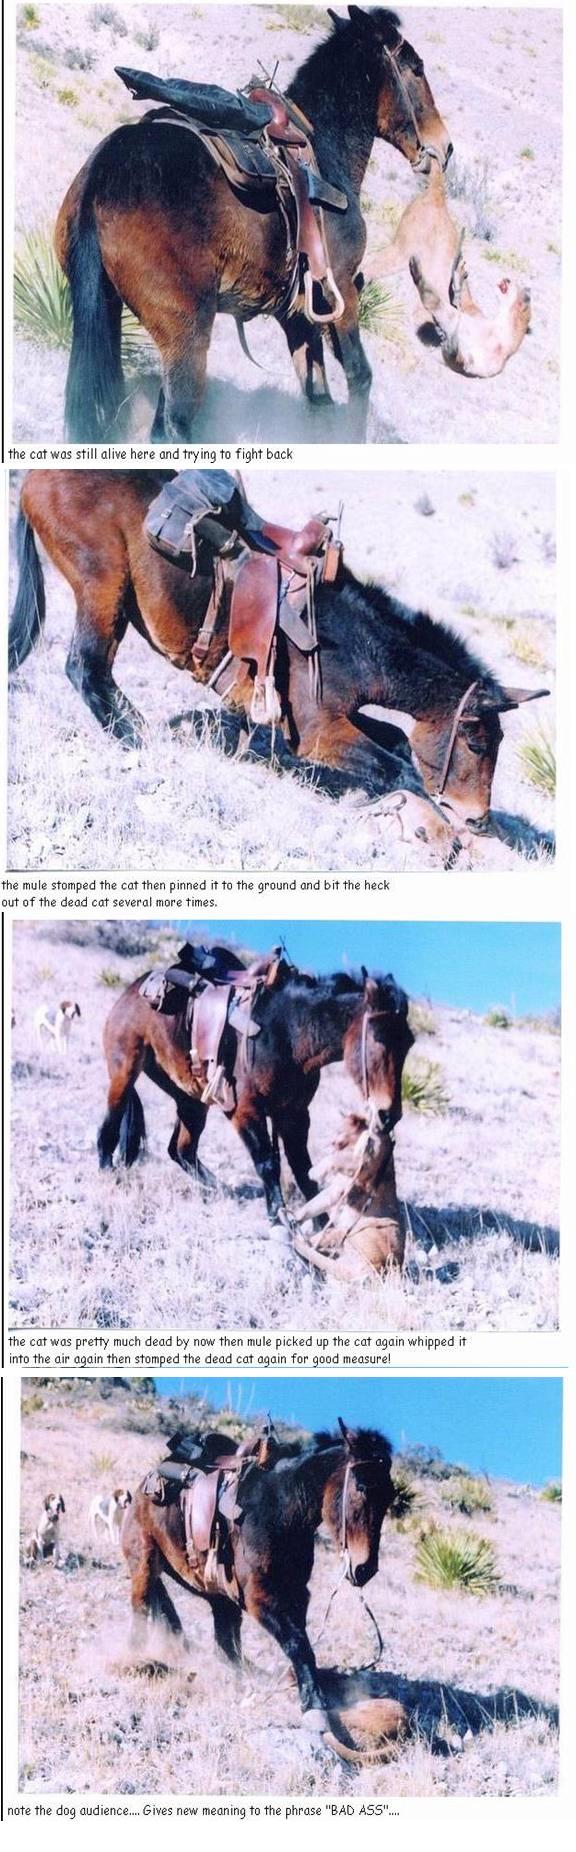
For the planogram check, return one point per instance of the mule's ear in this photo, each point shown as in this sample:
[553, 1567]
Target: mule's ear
[395, 717]
[359, 18]
[337, 21]
[364, 974]
[515, 697]
[345, 1432]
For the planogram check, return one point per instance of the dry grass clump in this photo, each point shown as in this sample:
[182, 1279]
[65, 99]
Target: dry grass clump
[467, 1494]
[552, 1492]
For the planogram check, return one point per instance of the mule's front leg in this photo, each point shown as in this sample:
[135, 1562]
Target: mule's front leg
[293, 1128]
[88, 667]
[265, 1607]
[307, 351]
[348, 349]
[253, 1131]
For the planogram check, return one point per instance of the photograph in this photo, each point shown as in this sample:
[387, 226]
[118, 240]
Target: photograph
[297, 1587]
[322, 1125]
[370, 686]
[287, 223]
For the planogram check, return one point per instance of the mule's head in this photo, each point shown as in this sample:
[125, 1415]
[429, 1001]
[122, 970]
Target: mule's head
[356, 1499]
[407, 116]
[376, 1046]
[457, 762]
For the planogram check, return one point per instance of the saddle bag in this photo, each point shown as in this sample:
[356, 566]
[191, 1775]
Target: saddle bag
[205, 103]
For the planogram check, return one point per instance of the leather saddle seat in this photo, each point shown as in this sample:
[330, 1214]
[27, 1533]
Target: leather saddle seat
[220, 1012]
[211, 1499]
[264, 577]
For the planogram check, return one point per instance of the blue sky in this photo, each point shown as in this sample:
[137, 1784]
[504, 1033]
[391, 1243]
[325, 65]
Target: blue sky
[509, 1427]
[468, 965]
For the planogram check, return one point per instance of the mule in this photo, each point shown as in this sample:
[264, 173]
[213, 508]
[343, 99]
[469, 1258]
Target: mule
[151, 221]
[305, 1023]
[342, 1481]
[440, 706]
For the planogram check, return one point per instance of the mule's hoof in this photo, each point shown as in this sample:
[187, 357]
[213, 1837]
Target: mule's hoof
[316, 1721]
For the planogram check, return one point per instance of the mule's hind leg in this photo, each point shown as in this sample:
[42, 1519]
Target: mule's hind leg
[162, 1609]
[124, 1117]
[227, 1627]
[184, 371]
[97, 633]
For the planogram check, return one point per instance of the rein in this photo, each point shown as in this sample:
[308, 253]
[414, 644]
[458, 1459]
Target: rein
[368, 1017]
[458, 716]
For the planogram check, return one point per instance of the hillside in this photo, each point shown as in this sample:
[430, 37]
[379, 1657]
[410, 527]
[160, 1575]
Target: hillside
[479, 1180]
[479, 1675]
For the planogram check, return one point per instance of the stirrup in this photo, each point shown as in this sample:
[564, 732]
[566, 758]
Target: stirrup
[313, 314]
[265, 706]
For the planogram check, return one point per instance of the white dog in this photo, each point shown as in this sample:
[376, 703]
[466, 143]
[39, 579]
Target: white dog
[56, 1022]
[45, 1539]
[107, 1509]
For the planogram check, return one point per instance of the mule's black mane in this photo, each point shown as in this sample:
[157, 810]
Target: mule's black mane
[396, 632]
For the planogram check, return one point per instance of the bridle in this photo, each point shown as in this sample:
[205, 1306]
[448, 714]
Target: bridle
[459, 715]
[368, 1016]
[392, 53]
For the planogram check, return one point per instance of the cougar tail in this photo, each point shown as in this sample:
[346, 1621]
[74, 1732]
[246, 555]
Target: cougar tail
[27, 620]
[360, 1758]
[95, 383]
[132, 1128]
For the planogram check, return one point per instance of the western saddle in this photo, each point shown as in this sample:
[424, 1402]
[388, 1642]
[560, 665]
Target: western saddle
[209, 1491]
[221, 997]
[264, 578]
[263, 144]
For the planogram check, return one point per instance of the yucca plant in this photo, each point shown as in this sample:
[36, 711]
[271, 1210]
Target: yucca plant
[111, 979]
[423, 1088]
[406, 1496]
[552, 1492]
[467, 1494]
[538, 760]
[457, 1559]
[43, 305]
[378, 311]
[498, 1018]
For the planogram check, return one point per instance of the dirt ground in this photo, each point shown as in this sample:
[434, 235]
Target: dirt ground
[477, 1674]
[475, 549]
[497, 79]
[478, 1184]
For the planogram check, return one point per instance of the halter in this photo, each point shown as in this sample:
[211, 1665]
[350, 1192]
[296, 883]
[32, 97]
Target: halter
[393, 56]
[460, 714]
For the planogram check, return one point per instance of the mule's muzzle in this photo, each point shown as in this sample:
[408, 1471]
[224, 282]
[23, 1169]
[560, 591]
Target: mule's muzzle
[361, 1573]
[439, 149]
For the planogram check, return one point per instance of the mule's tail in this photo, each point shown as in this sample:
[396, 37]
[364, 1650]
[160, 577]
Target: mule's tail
[95, 383]
[27, 620]
[132, 1128]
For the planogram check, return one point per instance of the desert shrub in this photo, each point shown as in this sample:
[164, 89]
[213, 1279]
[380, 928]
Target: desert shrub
[498, 1018]
[148, 38]
[31, 1404]
[67, 98]
[28, 18]
[378, 311]
[406, 1496]
[108, 16]
[471, 181]
[552, 1492]
[42, 302]
[504, 551]
[526, 648]
[538, 759]
[42, 305]
[424, 505]
[422, 1019]
[456, 1560]
[78, 60]
[111, 979]
[467, 1494]
[423, 1088]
